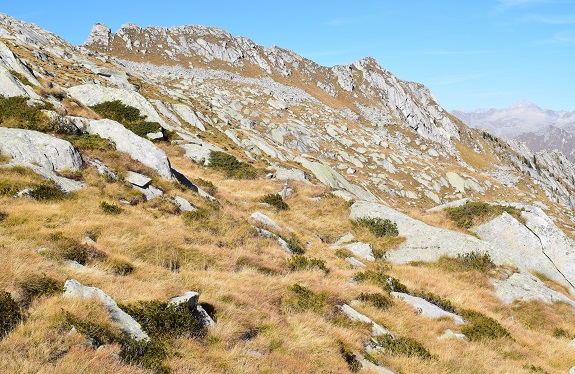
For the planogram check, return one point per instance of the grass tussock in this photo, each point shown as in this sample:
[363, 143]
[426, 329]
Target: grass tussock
[302, 299]
[111, 209]
[476, 213]
[350, 358]
[481, 327]
[475, 260]
[15, 112]
[300, 262]
[378, 300]
[90, 142]
[378, 226]
[33, 286]
[47, 191]
[402, 346]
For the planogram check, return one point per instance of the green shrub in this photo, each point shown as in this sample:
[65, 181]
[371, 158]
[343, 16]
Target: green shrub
[378, 226]
[300, 262]
[144, 128]
[294, 244]
[206, 185]
[562, 333]
[36, 285]
[403, 346]
[481, 327]
[3, 216]
[388, 283]
[147, 354]
[90, 142]
[10, 314]
[378, 300]
[21, 78]
[353, 363]
[81, 253]
[301, 299]
[159, 319]
[117, 111]
[47, 191]
[98, 334]
[231, 166]
[15, 112]
[275, 200]
[120, 267]
[476, 261]
[201, 214]
[475, 213]
[111, 209]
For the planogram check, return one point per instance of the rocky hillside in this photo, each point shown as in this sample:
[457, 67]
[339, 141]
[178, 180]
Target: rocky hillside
[180, 199]
[540, 129]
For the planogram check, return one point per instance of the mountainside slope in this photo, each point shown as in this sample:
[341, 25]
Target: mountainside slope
[293, 197]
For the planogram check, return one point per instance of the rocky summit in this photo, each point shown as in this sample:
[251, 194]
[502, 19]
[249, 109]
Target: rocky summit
[183, 200]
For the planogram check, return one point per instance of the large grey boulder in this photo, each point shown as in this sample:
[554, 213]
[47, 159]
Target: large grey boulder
[33, 147]
[92, 94]
[128, 325]
[188, 115]
[427, 309]
[525, 287]
[137, 147]
[522, 247]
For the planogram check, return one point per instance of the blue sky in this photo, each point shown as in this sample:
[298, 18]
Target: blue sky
[470, 53]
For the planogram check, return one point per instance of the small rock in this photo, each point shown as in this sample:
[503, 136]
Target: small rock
[264, 220]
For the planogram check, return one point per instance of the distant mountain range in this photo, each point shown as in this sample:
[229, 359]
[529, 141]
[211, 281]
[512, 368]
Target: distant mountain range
[540, 129]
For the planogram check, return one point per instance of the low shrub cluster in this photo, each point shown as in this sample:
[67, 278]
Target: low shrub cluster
[121, 267]
[10, 313]
[378, 226]
[276, 201]
[90, 142]
[231, 166]
[378, 300]
[15, 112]
[436, 300]
[128, 116]
[386, 282]
[111, 209]
[353, 363]
[47, 191]
[300, 262]
[475, 213]
[404, 346]
[34, 286]
[301, 299]
[480, 261]
[481, 327]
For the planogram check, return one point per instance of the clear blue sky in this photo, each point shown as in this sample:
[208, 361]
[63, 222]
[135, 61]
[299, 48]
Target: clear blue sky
[470, 53]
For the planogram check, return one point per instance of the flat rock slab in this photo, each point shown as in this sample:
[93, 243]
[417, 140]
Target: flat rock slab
[262, 219]
[427, 309]
[526, 287]
[128, 325]
[355, 316]
[138, 179]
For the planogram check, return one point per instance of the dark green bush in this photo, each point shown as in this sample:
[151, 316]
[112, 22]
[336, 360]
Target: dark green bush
[378, 226]
[98, 334]
[353, 363]
[294, 244]
[388, 283]
[275, 200]
[36, 285]
[47, 191]
[206, 185]
[117, 111]
[10, 314]
[474, 213]
[402, 346]
[231, 166]
[21, 78]
[81, 253]
[144, 128]
[120, 267]
[562, 333]
[147, 354]
[300, 262]
[159, 319]
[481, 327]
[111, 209]
[15, 112]
[3, 216]
[378, 300]
[476, 261]
[300, 299]
[90, 142]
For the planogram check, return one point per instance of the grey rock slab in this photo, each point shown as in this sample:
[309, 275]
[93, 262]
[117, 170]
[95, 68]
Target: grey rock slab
[427, 309]
[526, 287]
[65, 184]
[183, 204]
[150, 192]
[519, 246]
[33, 147]
[92, 94]
[282, 173]
[354, 262]
[199, 151]
[188, 115]
[262, 219]
[190, 299]
[128, 325]
[137, 179]
[361, 250]
[102, 169]
[344, 239]
[423, 242]
[374, 368]
[451, 204]
[355, 316]
[138, 148]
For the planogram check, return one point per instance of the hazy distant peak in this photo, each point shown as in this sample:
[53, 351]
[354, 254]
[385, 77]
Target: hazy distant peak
[523, 104]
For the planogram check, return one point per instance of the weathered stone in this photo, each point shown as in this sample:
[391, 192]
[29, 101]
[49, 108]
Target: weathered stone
[354, 262]
[199, 151]
[451, 204]
[456, 181]
[449, 334]
[128, 325]
[361, 250]
[190, 299]
[262, 219]
[188, 115]
[183, 204]
[427, 309]
[135, 146]
[525, 287]
[290, 174]
[355, 316]
[137, 179]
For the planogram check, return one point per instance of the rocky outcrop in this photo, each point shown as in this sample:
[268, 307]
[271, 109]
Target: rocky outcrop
[138, 148]
[526, 287]
[262, 219]
[32, 147]
[128, 325]
[355, 316]
[190, 300]
[427, 309]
